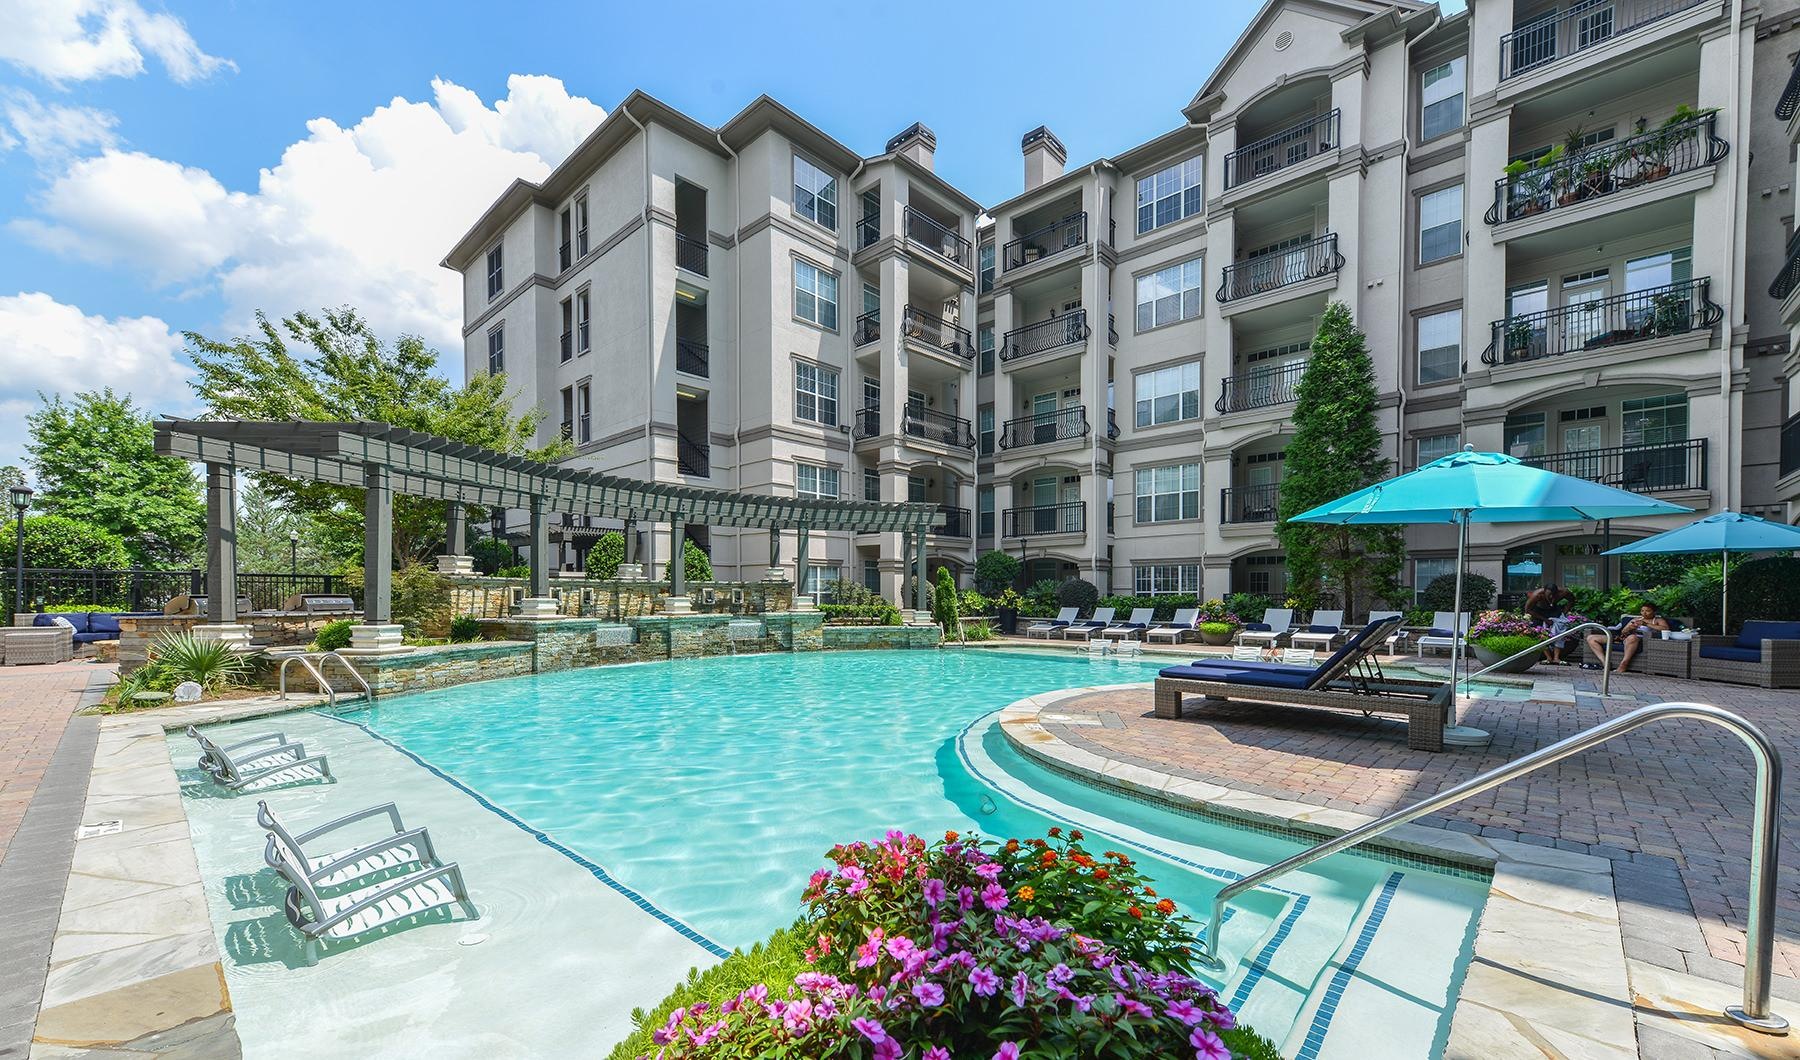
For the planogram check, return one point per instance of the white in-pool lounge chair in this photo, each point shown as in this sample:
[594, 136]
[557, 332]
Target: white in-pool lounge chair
[1184, 622]
[1393, 642]
[1446, 630]
[399, 848]
[1132, 627]
[1246, 653]
[1102, 618]
[363, 909]
[1299, 657]
[1275, 624]
[1322, 632]
[264, 760]
[1051, 626]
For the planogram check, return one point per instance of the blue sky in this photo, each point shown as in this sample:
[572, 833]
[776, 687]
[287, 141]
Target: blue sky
[166, 168]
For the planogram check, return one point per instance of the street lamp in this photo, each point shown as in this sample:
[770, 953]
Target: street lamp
[21, 500]
[293, 552]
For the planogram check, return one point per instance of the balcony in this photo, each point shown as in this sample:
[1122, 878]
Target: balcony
[1665, 468]
[1789, 277]
[1249, 504]
[1637, 316]
[1044, 428]
[691, 357]
[1790, 445]
[868, 232]
[925, 232]
[1790, 95]
[693, 456]
[868, 328]
[567, 431]
[566, 346]
[1282, 268]
[933, 331]
[1260, 387]
[565, 256]
[1607, 169]
[867, 424]
[1056, 333]
[1289, 147]
[1045, 519]
[956, 522]
[1047, 242]
[690, 254]
[1583, 26]
[1112, 425]
[939, 427]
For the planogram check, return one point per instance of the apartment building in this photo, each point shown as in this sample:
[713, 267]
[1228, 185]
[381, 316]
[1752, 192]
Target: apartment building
[1555, 223]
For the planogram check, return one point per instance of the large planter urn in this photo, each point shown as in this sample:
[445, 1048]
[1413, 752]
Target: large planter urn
[1517, 666]
[1007, 618]
[1216, 640]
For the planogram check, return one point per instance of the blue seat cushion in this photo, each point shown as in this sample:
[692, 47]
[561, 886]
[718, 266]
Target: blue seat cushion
[78, 619]
[89, 638]
[1754, 633]
[103, 622]
[1436, 632]
[1259, 627]
[1333, 630]
[1732, 654]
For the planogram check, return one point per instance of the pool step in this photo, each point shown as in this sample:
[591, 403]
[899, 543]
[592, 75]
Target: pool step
[1278, 972]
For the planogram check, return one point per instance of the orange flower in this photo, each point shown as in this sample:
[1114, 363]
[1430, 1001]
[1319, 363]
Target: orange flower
[1151, 891]
[1165, 907]
[950, 837]
[1075, 836]
[1101, 873]
[1027, 893]
[1136, 913]
[1055, 831]
[1012, 846]
[1049, 857]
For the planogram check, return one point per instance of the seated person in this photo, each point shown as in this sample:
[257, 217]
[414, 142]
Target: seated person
[1548, 606]
[1648, 623]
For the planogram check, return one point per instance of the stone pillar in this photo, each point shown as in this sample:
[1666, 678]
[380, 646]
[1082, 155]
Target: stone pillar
[538, 603]
[802, 602]
[377, 634]
[630, 570]
[919, 569]
[221, 559]
[677, 603]
[454, 560]
[775, 573]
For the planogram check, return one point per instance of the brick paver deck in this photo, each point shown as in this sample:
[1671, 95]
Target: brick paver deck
[1679, 791]
[36, 703]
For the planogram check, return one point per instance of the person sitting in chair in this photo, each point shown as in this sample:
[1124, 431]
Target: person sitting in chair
[1648, 623]
[1548, 606]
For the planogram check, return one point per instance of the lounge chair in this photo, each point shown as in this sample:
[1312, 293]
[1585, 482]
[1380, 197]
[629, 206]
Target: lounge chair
[1185, 621]
[1051, 626]
[1248, 653]
[1447, 630]
[1322, 632]
[1102, 618]
[1299, 657]
[1275, 624]
[1393, 642]
[400, 847]
[1140, 620]
[1349, 680]
[363, 909]
[269, 757]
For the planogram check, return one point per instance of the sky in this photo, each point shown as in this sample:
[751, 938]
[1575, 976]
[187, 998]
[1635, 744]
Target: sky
[177, 168]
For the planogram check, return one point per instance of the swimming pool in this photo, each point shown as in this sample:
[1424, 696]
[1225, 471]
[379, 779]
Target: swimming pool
[710, 788]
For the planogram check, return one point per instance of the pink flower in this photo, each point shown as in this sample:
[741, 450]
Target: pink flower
[936, 1052]
[1133, 1006]
[888, 1049]
[930, 994]
[934, 891]
[993, 896]
[858, 881]
[1185, 1011]
[965, 898]
[870, 1029]
[1020, 985]
[984, 981]
[901, 948]
[989, 872]
[1207, 1045]
[1222, 1018]
[1010, 1051]
[1058, 975]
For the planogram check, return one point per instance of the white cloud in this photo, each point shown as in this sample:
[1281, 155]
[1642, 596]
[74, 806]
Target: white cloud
[53, 132]
[49, 347]
[349, 216]
[80, 40]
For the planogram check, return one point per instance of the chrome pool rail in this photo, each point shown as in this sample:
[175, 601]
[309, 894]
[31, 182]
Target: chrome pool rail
[1764, 850]
[1605, 664]
[316, 670]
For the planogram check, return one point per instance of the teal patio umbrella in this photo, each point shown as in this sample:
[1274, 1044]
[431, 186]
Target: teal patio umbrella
[1723, 533]
[1471, 487]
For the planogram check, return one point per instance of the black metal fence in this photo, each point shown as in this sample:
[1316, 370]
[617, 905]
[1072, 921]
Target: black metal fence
[1289, 147]
[1056, 333]
[924, 230]
[1281, 268]
[1274, 384]
[1653, 313]
[1607, 168]
[1789, 276]
[1249, 504]
[916, 323]
[868, 328]
[1639, 468]
[940, 427]
[956, 521]
[1048, 241]
[151, 590]
[690, 253]
[1046, 519]
[692, 357]
[1044, 427]
[693, 456]
[1580, 27]
[867, 423]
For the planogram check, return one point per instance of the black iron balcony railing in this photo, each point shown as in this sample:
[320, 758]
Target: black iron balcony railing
[692, 357]
[956, 522]
[1046, 242]
[1112, 425]
[1281, 268]
[1249, 504]
[1044, 427]
[1789, 277]
[1045, 519]
[1789, 103]
[581, 337]
[934, 331]
[583, 429]
[868, 230]
[1070, 329]
[1790, 445]
[1112, 330]
[1289, 147]
[1636, 316]
[934, 426]
[567, 433]
[1272, 384]
[868, 328]
[565, 256]
[566, 345]
[1607, 168]
[690, 253]
[925, 231]
[867, 423]
[1582, 26]
[692, 456]
[1639, 468]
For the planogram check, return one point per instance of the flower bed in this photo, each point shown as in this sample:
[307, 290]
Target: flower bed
[960, 948]
[1499, 634]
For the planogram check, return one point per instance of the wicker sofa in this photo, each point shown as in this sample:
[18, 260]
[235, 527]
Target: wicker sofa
[1763, 653]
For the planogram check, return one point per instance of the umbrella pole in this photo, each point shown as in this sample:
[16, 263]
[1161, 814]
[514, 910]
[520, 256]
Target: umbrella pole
[1456, 633]
[1724, 591]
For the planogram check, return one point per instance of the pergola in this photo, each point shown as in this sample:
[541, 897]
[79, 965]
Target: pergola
[383, 460]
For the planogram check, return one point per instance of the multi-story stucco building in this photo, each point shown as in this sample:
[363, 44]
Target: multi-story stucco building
[1547, 221]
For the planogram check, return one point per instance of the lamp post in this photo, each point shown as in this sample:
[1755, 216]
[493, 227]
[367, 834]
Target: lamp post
[293, 552]
[21, 500]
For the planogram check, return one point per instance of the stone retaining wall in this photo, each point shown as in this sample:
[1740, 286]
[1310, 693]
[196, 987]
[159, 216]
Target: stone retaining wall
[856, 637]
[617, 601]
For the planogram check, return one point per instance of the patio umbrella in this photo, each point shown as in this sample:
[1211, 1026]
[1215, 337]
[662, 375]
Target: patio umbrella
[1471, 487]
[1723, 533]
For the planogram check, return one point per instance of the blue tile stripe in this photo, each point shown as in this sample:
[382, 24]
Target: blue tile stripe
[1340, 980]
[593, 869]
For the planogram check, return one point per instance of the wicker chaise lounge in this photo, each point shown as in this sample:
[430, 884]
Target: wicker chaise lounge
[1763, 653]
[1348, 680]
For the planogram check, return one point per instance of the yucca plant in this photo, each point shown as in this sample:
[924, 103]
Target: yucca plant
[211, 664]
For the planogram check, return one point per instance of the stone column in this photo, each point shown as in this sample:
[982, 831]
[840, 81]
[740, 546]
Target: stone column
[802, 602]
[919, 569]
[454, 560]
[221, 559]
[630, 570]
[677, 602]
[538, 603]
[377, 634]
[775, 573]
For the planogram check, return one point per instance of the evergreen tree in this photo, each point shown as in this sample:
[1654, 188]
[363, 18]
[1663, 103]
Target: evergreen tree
[1336, 450]
[265, 529]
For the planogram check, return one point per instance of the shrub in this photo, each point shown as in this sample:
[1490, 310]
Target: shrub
[1440, 593]
[1039, 600]
[604, 558]
[1651, 570]
[944, 609]
[979, 631]
[1162, 607]
[995, 571]
[333, 635]
[1506, 633]
[464, 628]
[58, 541]
[1417, 617]
[879, 612]
[973, 602]
[421, 600]
[211, 664]
[1248, 606]
[1215, 613]
[1604, 605]
[1078, 593]
[697, 567]
[490, 555]
[777, 960]
[514, 570]
[1767, 588]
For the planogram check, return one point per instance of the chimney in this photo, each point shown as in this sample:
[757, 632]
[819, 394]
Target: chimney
[917, 143]
[1044, 157]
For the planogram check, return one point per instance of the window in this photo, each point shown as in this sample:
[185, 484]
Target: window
[1427, 570]
[815, 294]
[986, 416]
[1440, 224]
[1433, 446]
[815, 193]
[497, 350]
[496, 274]
[1654, 420]
[1162, 578]
[583, 330]
[915, 489]
[1170, 195]
[815, 394]
[1165, 494]
[584, 414]
[1660, 270]
[984, 340]
[568, 413]
[1169, 295]
[812, 480]
[1168, 394]
[565, 225]
[871, 484]
[581, 226]
[984, 508]
[1525, 435]
[1441, 92]
[566, 342]
[1440, 346]
[987, 267]
[820, 579]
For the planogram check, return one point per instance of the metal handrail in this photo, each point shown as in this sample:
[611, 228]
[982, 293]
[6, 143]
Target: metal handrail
[317, 672]
[368, 693]
[1605, 665]
[1764, 852]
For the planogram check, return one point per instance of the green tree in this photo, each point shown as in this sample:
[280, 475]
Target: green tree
[58, 541]
[11, 475]
[332, 366]
[264, 535]
[1335, 450]
[94, 458]
[996, 571]
[608, 552]
[944, 604]
[694, 559]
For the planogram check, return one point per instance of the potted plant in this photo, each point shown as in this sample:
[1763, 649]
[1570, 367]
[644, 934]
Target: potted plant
[1597, 173]
[1499, 635]
[1218, 623]
[1519, 334]
[1006, 611]
[1669, 314]
[1516, 195]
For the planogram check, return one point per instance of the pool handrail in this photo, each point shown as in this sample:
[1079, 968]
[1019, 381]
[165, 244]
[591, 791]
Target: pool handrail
[1605, 665]
[1765, 855]
[313, 665]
